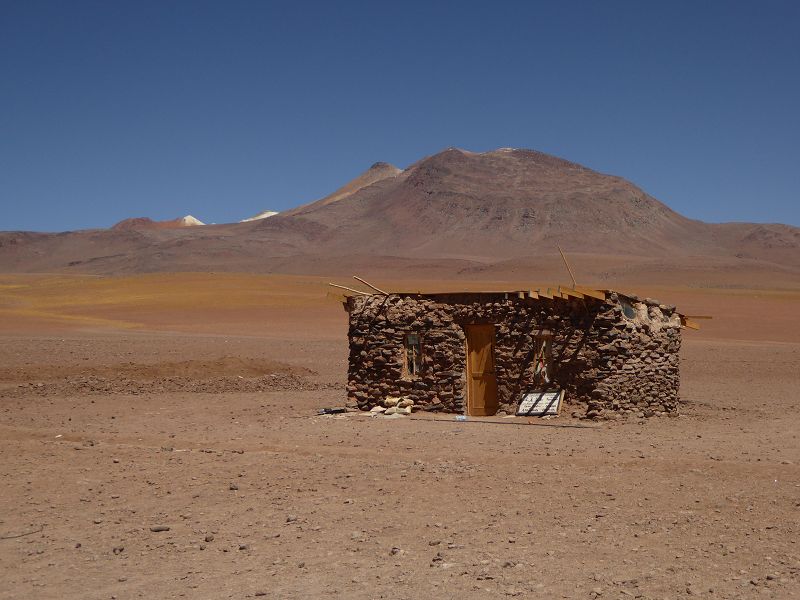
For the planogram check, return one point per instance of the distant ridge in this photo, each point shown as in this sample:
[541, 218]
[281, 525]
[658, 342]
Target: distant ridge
[453, 212]
[148, 223]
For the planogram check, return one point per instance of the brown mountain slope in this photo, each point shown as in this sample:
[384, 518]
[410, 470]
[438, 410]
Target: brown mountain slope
[508, 204]
[377, 172]
[453, 212]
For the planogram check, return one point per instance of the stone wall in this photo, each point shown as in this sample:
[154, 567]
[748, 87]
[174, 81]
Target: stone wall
[614, 357]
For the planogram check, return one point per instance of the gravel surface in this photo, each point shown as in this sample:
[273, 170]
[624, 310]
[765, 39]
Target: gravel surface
[165, 487]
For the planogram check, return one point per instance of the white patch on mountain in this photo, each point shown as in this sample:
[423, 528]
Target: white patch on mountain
[190, 221]
[262, 215]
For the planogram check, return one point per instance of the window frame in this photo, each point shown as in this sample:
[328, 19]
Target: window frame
[628, 307]
[412, 356]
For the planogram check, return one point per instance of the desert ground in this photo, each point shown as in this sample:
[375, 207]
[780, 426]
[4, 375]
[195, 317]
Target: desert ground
[159, 438]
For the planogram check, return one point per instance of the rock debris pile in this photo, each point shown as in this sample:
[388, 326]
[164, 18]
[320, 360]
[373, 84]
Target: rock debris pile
[92, 385]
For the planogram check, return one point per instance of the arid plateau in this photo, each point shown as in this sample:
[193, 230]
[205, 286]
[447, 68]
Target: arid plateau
[160, 389]
[189, 401]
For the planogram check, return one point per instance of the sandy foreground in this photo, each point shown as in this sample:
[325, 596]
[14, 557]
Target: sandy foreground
[159, 439]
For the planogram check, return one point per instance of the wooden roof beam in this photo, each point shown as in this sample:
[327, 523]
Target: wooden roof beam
[688, 323]
[350, 289]
[568, 293]
[591, 293]
[369, 285]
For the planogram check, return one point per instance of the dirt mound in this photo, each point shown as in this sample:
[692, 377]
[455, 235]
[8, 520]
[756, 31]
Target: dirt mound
[226, 366]
[223, 375]
[122, 385]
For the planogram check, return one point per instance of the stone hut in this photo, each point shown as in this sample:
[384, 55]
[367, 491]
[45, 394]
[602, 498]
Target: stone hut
[481, 353]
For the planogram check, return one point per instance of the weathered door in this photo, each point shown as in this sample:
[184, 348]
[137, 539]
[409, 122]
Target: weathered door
[481, 378]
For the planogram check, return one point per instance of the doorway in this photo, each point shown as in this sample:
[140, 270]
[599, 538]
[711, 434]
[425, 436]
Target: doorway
[481, 377]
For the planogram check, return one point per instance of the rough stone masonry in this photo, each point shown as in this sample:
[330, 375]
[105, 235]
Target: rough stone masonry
[614, 357]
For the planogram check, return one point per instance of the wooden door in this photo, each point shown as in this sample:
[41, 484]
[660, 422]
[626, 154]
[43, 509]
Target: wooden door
[481, 378]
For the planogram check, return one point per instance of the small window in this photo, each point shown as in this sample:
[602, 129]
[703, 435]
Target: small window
[543, 358]
[413, 352]
[628, 310]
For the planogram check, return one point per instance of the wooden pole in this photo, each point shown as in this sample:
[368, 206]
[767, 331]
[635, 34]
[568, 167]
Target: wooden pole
[574, 283]
[350, 289]
[368, 284]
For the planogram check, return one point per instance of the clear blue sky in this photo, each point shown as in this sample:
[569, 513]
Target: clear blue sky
[223, 109]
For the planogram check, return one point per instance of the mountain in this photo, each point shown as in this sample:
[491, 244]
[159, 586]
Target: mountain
[493, 205]
[456, 212]
[147, 223]
[512, 203]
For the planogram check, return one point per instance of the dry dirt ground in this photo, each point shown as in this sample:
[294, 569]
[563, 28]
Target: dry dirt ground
[187, 402]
